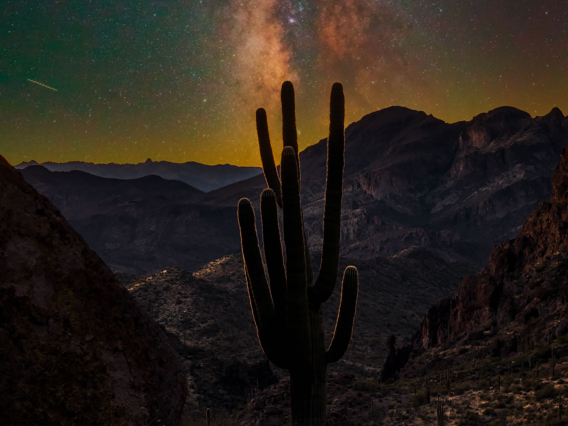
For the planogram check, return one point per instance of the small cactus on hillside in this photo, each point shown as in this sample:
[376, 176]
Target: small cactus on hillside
[440, 414]
[287, 307]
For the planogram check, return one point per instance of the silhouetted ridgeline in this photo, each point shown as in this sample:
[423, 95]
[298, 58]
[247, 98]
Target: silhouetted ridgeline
[203, 177]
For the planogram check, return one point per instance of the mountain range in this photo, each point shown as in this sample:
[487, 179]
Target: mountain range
[410, 180]
[203, 177]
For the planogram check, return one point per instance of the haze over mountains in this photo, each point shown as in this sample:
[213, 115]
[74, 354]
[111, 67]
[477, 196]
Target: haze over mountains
[203, 177]
[410, 180]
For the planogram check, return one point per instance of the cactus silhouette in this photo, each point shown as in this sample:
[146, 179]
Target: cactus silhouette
[440, 414]
[287, 309]
[208, 417]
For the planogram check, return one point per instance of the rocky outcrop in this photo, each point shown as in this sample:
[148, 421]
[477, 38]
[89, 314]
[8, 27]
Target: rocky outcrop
[521, 299]
[499, 123]
[74, 346]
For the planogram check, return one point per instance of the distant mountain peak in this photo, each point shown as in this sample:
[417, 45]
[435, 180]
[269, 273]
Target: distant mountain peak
[496, 123]
[397, 113]
[503, 113]
[25, 164]
[149, 160]
[555, 114]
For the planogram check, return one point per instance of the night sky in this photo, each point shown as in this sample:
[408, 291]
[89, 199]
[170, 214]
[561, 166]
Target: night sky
[180, 80]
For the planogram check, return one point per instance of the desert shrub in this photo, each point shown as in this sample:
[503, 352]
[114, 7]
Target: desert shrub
[368, 385]
[541, 353]
[439, 390]
[506, 383]
[420, 398]
[546, 392]
[471, 418]
[461, 387]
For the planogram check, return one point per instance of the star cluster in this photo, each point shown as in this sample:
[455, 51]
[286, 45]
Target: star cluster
[180, 80]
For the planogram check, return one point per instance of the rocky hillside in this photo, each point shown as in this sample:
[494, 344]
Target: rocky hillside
[74, 346]
[209, 312]
[521, 298]
[411, 179]
[205, 178]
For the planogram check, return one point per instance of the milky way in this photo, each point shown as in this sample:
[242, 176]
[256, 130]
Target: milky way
[180, 80]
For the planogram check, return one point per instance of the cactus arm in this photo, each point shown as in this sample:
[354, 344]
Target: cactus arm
[273, 252]
[290, 138]
[268, 166]
[345, 316]
[329, 266]
[299, 335]
[289, 134]
[253, 264]
[274, 352]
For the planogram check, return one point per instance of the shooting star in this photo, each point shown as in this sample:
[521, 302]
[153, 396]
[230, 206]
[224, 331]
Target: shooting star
[41, 84]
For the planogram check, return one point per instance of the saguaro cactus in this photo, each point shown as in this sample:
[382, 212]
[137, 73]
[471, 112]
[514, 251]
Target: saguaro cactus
[287, 310]
[440, 414]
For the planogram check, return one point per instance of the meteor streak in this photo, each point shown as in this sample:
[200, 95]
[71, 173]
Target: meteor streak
[41, 84]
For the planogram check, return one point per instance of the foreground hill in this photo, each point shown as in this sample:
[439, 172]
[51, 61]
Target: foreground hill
[203, 177]
[74, 346]
[210, 312]
[410, 180]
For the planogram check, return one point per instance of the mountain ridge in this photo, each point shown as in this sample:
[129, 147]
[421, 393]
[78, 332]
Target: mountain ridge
[410, 180]
[201, 176]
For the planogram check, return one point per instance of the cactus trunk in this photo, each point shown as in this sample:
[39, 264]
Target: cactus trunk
[308, 391]
[287, 308]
